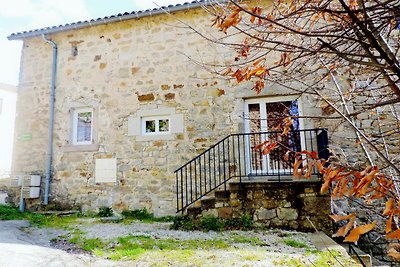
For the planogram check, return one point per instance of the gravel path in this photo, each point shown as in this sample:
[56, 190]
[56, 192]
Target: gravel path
[270, 251]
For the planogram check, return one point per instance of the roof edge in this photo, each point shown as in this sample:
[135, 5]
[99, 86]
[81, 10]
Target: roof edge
[110, 19]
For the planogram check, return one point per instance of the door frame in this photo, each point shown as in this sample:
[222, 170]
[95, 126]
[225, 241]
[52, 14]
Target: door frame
[264, 127]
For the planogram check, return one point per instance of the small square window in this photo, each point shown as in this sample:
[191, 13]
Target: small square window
[82, 126]
[155, 125]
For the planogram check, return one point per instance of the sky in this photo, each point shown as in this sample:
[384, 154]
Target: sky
[22, 15]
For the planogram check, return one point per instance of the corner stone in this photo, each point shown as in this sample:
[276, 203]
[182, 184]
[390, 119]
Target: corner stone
[287, 214]
[265, 214]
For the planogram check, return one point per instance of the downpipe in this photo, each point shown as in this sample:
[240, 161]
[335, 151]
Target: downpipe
[51, 121]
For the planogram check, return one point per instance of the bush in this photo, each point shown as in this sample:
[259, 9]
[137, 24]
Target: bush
[243, 223]
[105, 212]
[8, 212]
[211, 223]
[183, 222]
[141, 215]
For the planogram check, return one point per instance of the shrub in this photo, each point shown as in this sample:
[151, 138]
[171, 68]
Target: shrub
[183, 222]
[243, 223]
[141, 215]
[105, 212]
[8, 212]
[211, 223]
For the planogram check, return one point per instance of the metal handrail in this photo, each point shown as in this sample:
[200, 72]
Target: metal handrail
[235, 156]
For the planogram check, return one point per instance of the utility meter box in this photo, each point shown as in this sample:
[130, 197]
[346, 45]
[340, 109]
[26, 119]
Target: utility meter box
[25, 180]
[31, 192]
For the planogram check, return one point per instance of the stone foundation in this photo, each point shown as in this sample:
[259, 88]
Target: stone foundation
[294, 205]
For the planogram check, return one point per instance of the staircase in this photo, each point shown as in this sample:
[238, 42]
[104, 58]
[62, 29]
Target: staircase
[203, 181]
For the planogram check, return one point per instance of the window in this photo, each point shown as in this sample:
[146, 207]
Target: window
[155, 125]
[82, 126]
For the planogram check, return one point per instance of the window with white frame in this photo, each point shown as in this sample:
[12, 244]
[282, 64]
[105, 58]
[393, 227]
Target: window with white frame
[155, 125]
[82, 126]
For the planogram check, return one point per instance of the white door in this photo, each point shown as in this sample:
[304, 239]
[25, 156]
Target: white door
[262, 118]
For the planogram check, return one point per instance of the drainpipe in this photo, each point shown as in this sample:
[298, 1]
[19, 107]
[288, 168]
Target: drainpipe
[51, 121]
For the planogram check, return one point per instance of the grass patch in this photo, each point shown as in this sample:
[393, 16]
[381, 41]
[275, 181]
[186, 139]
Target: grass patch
[144, 215]
[294, 243]
[255, 241]
[131, 247]
[211, 223]
[105, 212]
[331, 258]
[8, 212]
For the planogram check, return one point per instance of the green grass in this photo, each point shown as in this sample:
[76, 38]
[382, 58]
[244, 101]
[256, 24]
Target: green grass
[64, 222]
[255, 241]
[294, 243]
[144, 215]
[131, 247]
[10, 213]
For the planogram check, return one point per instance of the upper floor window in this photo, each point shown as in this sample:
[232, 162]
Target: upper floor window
[155, 125]
[82, 126]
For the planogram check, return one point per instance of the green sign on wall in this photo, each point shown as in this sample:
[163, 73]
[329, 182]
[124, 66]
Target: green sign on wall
[25, 137]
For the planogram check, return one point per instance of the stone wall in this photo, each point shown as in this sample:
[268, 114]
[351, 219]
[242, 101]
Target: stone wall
[279, 205]
[122, 69]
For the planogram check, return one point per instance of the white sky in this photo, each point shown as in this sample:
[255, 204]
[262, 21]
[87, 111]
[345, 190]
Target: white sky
[22, 15]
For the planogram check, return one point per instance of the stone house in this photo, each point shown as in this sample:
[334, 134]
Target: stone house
[131, 107]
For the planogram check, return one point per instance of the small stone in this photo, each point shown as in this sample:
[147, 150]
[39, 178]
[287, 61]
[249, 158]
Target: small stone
[134, 70]
[97, 58]
[103, 65]
[225, 213]
[148, 97]
[286, 214]
[178, 86]
[165, 87]
[170, 96]
[264, 214]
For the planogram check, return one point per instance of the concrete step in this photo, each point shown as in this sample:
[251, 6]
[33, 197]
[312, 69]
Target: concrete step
[208, 203]
[222, 195]
[193, 211]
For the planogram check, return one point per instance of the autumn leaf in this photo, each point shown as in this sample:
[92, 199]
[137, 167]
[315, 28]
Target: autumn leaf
[389, 206]
[360, 230]
[389, 224]
[393, 235]
[393, 253]
[346, 228]
[267, 150]
[286, 156]
[338, 218]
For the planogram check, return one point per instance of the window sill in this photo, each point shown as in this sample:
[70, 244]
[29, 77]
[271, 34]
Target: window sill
[155, 137]
[81, 148]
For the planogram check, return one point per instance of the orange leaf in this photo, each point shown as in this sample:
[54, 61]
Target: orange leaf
[296, 166]
[389, 206]
[346, 228]
[286, 156]
[338, 218]
[389, 224]
[394, 254]
[356, 232]
[320, 166]
[267, 150]
[393, 235]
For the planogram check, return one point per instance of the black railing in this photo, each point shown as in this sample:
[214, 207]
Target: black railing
[353, 251]
[235, 156]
